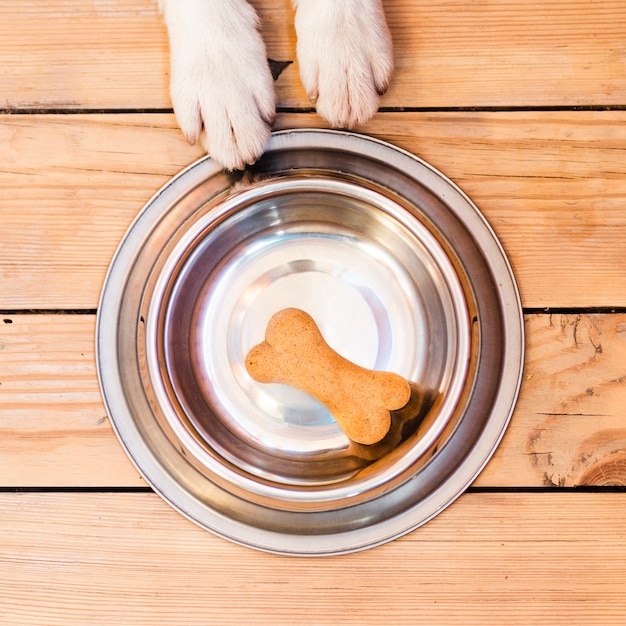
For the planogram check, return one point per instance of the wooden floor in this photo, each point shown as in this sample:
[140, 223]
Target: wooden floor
[523, 104]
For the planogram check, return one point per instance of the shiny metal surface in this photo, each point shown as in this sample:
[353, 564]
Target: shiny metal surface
[401, 273]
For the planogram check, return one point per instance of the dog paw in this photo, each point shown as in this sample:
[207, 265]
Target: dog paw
[221, 85]
[345, 55]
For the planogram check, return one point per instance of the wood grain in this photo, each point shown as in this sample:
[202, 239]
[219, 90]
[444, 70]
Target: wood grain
[550, 183]
[55, 430]
[71, 54]
[489, 559]
[568, 427]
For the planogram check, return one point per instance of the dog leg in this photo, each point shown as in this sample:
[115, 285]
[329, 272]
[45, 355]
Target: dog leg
[345, 54]
[221, 85]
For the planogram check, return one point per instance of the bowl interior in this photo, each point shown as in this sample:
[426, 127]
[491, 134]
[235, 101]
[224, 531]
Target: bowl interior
[380, 287]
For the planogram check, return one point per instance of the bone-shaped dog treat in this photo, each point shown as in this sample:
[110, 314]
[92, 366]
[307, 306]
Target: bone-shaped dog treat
[295, 353]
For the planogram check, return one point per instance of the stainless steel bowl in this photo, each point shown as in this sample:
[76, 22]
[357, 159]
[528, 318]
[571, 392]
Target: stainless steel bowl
[401, 273]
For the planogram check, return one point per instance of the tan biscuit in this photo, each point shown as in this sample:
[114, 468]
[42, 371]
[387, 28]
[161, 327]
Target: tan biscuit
[295, 353]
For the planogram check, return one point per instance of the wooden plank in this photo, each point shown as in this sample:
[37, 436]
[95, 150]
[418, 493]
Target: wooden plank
[55, 431]
[73, 54]
[551, 184]
[70, 54]
[489, 559]
[70, 188]
[567, 429]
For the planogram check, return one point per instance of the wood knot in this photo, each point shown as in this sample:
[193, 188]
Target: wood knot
[610, 472]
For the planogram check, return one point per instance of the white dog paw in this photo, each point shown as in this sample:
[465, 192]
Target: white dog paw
[221, 84]
[346, 57]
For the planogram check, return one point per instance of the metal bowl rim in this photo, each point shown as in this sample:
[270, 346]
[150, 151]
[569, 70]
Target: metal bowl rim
[420, 512]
